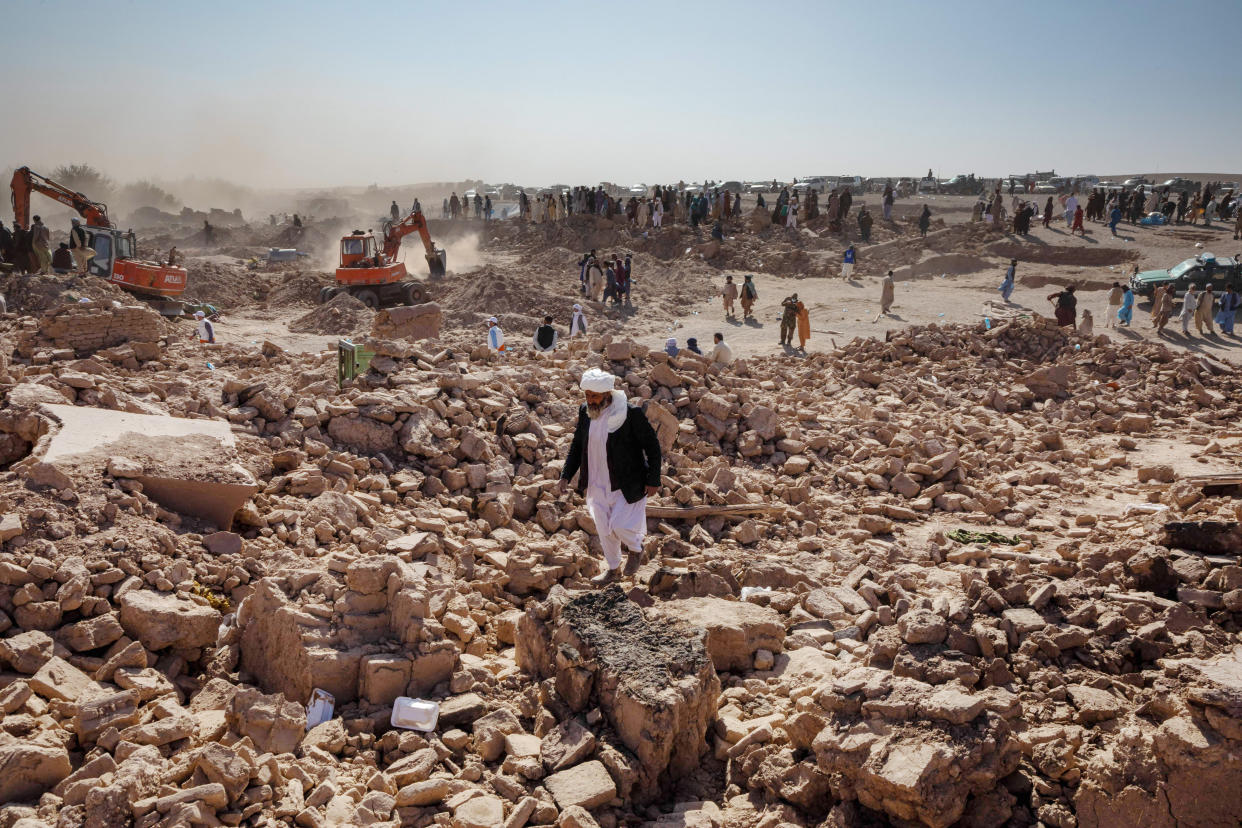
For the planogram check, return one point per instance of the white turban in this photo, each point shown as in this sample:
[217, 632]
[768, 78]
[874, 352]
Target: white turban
[577, 307]
[596, 380]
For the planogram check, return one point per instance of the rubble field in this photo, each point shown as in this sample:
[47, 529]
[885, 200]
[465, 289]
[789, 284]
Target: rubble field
[964, 575]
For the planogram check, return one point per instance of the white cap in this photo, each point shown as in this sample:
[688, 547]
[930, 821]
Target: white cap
[596, 380]
[577, 307]
[199, 315]
[493, 320]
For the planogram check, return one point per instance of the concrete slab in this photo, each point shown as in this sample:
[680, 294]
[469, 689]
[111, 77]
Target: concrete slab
[188, 466]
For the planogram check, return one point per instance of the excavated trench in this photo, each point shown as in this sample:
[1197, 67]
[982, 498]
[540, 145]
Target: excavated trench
[1062, 255]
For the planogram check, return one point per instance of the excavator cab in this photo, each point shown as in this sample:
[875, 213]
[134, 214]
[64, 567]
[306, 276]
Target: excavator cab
[358, 250]
[110, 246]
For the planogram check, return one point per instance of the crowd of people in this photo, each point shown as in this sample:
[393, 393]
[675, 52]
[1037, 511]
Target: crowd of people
[1111, 207]
[1205, 308]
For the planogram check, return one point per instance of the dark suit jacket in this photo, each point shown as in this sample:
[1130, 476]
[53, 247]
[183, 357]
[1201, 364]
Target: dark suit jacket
[633, 455]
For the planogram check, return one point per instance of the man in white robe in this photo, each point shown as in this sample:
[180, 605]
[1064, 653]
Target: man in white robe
[578, 324]
[616, 457]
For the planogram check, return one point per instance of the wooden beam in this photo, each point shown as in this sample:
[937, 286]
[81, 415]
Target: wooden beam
[727, 510]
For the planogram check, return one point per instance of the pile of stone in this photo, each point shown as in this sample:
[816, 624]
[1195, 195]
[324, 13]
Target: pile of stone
[804, 645]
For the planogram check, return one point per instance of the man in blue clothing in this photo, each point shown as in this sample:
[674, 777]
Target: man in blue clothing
[847, 266]
[1113, 218]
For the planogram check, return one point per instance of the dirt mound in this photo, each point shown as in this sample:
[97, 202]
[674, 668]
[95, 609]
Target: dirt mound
[343, 315]
[1061, 255]
[31, 294]
[297, 287]
[223, 283]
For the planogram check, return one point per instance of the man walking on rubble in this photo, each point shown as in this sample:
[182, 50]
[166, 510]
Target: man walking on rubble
[616, 456]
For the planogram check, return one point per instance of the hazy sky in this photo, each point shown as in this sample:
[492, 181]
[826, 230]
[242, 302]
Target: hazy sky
[311, 94]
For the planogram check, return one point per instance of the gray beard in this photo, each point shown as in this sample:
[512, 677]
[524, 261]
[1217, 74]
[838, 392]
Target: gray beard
[597, 411]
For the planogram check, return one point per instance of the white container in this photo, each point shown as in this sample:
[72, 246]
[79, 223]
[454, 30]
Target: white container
[320, 708]
[414, 714]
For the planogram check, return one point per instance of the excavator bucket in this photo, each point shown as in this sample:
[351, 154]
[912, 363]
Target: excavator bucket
[438, 263]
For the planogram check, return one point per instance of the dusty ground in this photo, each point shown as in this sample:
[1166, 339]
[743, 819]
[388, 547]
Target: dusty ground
[519, 273]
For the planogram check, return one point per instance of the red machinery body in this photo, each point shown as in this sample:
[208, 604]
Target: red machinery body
[115, 251]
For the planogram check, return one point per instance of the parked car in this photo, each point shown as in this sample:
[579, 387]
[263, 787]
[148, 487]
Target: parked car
[962, 185]
[732, 186]
[854, 182]
[1131, 183]
[1178, 185]
[1199, 271]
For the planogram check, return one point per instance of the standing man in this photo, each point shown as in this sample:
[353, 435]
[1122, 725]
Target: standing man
[1229, 303]
[1190, 302]
[728, 295]
[804, 326]
[749, 294]
[41, 240]
[204, 330]
[395, 212]
[1114, 303]
[77, 246]
[1006, 288]
[1203, 313]
[1164, 310]
[887, 292]
[789, 318]
[624, 280]
[847, 264]
[577, 324]
[545, 336]
[616, 455]
[864, 223]
[209, 232]
[495, 336]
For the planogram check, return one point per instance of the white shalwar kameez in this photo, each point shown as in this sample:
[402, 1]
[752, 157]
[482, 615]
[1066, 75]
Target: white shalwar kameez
[617, 522]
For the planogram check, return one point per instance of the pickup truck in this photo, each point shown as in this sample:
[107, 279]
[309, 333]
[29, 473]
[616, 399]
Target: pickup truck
[1202, 270]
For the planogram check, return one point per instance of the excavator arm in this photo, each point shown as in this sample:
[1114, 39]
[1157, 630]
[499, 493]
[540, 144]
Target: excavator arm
[414, 223]
[25, 182]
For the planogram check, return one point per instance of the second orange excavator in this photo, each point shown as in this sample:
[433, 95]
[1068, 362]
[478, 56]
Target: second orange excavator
[116, 252]
[376, 277]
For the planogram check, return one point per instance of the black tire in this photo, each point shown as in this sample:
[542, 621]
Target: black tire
[368, 298]
[413, 294]
[325, 294]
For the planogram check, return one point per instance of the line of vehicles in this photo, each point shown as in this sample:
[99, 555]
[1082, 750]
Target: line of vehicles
[372, 274]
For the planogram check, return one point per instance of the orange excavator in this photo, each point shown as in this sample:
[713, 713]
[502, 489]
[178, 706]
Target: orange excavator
[376, 277]
[115, 256]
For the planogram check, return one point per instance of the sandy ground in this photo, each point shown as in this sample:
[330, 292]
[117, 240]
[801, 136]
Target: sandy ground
[952, 276]
[840, 310]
